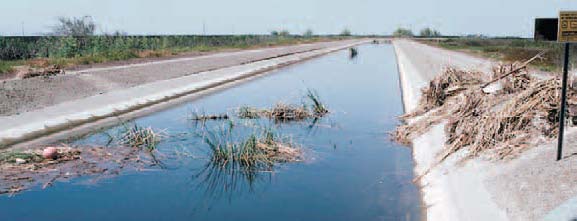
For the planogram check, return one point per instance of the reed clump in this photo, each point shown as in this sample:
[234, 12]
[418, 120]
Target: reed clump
[353, 52]
[140, 137]
[256, 151]
[197, 116]
[312, 108]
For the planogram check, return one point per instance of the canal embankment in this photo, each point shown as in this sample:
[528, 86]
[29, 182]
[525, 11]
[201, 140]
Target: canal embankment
[113, 91]
[531, 186]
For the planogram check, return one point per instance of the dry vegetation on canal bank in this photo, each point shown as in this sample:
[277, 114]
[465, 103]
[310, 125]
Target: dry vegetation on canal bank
[501, 123]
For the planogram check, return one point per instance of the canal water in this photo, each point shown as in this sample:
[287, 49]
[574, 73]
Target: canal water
[351, 170]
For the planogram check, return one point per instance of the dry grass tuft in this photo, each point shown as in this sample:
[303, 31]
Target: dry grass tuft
[314, 108]
[140, 137]
[449, 83]
[285, 112]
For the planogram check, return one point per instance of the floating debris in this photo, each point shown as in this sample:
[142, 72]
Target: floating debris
[26, 169]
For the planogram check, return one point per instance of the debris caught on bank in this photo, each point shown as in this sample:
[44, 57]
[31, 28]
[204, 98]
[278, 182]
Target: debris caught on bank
[523, 112]
[24, 72]
[451, 82]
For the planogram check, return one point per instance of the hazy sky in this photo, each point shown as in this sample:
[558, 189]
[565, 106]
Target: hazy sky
[491, 17]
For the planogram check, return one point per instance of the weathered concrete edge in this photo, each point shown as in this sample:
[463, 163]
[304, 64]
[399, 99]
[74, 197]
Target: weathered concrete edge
[28, 128]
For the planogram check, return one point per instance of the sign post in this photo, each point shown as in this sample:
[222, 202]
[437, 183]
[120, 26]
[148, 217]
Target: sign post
[567, 34]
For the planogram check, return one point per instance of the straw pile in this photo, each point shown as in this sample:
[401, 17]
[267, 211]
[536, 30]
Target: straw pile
[514, 78]
[446, 85]
[501, 124]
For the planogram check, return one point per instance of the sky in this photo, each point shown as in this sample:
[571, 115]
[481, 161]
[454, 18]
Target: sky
[450, 17]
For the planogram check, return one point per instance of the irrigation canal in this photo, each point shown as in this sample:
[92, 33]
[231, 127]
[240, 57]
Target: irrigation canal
[350, 169]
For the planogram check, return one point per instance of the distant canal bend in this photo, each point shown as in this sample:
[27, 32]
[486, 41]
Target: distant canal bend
[350, 171]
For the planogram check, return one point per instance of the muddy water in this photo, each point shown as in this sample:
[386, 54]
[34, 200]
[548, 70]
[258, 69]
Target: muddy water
[351, 170]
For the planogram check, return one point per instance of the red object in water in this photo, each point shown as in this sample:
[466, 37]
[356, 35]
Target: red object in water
[50, 153]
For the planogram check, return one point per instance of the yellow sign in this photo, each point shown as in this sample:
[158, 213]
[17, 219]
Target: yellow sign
[567, 26]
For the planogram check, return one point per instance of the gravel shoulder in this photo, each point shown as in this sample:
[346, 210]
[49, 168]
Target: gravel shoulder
[531, 187]
[20, 96]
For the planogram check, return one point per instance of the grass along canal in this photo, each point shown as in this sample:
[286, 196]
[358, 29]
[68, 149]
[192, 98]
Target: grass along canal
[339, 165]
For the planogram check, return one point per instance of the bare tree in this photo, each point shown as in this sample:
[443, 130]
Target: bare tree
[77, 27]
[346, 32]
[429, 32]
[308, 33]
[403, 32]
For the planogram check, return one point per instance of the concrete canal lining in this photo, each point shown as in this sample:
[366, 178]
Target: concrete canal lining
[67, 115]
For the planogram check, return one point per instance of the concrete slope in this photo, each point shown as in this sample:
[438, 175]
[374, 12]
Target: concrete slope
[17, 128]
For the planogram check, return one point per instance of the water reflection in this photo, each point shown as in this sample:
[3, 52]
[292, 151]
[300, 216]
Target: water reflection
[240, 160]
[229, 181]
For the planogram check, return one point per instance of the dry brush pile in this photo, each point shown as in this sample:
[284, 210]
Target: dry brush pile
[500, 123]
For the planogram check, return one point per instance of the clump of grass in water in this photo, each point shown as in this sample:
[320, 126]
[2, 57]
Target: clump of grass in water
[353, 52]
[140, 137]
[246, 112]
[236, 163]
[284, 112]
[196, 116]
[258, 151]
[287, 112]
[319, 108]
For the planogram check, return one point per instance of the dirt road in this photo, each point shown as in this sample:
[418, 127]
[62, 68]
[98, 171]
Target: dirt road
[19, 96]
